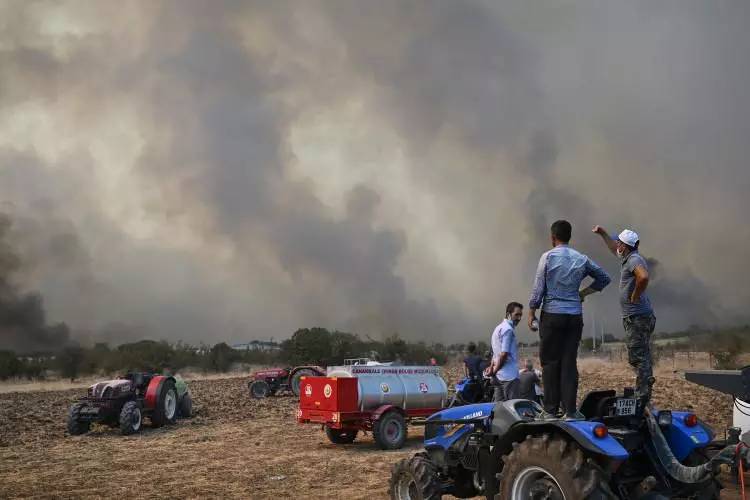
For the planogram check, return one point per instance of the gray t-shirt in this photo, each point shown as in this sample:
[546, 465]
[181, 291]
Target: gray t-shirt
[627, 285]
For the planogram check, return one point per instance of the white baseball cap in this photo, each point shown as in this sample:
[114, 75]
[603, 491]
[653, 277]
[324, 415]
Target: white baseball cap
[630, 238]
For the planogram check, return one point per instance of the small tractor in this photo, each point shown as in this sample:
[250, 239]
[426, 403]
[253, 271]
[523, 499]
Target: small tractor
[124, 403]
[269, 382]
[471, 390]
[623, 449]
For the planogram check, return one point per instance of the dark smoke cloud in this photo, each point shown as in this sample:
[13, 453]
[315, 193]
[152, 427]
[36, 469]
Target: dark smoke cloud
[235, 170]
[23, 324]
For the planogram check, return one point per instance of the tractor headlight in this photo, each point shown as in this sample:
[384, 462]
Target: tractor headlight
[665, 418]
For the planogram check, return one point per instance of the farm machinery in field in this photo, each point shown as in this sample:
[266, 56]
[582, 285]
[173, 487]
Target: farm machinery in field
[472, 390]
[379, 398]
[272, 381]
[126, 401]
[621, 450]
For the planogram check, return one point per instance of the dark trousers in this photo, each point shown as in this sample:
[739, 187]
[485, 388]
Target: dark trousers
[559, 336]
[505, 390]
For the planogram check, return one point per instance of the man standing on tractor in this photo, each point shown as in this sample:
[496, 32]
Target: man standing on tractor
[637, 314]
[504, 367]
[557, 291]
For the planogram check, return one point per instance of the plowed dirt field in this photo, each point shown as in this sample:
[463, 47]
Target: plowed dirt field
[234, 447]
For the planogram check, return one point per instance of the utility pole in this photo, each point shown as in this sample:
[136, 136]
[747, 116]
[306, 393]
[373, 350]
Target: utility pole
[593, 332]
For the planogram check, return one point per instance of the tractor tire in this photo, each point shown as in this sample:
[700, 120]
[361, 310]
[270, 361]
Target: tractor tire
[131, 419]
[259, 389]
[75, 426]
[390, 430]
[294, 382]
[414, 478]
[166, 405]
[341, 436]
[551, 467]
[186, 406]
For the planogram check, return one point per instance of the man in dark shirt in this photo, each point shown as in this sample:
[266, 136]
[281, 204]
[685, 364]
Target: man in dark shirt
[473, 362]
[528, 382]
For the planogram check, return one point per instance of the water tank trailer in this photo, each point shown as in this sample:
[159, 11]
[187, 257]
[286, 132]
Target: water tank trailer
[382, 399]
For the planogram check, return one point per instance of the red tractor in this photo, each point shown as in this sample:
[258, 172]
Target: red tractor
[125, 401]
[274, 380]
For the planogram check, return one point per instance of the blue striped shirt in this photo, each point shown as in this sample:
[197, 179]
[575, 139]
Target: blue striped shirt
[558, 280]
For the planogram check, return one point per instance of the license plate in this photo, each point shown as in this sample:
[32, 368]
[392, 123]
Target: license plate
[89, 411]
[625, 407]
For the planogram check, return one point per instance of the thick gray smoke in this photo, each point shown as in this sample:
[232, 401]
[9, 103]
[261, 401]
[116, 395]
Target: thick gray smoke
[23, 324]
[236, 170]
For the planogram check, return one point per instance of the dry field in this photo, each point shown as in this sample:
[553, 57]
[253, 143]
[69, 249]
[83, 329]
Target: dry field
[234, 447]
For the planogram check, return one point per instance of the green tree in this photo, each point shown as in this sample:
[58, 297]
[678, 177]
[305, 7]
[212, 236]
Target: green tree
[10, 365]
[308, 346]
[221, 357]
[70, 361]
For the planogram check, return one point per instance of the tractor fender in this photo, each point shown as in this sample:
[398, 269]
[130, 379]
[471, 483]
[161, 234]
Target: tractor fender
[319, 370]
[580, 431]
[382, 409]
[153, 390]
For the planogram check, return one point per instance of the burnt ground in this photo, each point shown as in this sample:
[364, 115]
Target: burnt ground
[233, 447]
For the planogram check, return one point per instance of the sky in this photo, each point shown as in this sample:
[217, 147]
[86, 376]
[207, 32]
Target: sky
[228, 171]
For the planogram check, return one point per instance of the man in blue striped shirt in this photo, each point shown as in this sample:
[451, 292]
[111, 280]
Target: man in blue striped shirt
[557, 291]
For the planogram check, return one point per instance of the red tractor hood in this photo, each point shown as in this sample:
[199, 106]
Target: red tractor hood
[271, 373]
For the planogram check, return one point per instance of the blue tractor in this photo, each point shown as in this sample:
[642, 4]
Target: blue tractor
[620, 451]
[471, 390]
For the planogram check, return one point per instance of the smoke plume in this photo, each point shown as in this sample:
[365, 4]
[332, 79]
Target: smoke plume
[208, 171]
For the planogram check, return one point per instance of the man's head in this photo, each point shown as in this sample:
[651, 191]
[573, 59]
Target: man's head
[471, 348]
[514, 313]
[560, 232]
[627, 242]
[529, 364]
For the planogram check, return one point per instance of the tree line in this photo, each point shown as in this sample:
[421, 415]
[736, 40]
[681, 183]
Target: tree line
[316, 346]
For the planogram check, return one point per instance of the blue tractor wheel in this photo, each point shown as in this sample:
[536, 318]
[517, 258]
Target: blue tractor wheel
[415, 478]
[554, 468]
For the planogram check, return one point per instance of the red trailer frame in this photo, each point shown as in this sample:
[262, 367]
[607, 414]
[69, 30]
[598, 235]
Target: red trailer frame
[333, 403]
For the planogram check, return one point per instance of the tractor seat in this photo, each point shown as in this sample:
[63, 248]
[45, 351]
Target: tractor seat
[507, 413]
[596, 403]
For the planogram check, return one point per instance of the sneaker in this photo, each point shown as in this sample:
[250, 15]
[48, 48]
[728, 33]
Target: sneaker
[546, 416]
[577, 415]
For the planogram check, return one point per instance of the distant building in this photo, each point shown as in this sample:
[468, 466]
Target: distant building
[257, 345]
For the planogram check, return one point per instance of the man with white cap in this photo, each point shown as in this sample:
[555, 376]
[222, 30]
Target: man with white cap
[637, 314]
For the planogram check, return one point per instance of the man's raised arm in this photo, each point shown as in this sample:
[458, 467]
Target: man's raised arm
[611, 244]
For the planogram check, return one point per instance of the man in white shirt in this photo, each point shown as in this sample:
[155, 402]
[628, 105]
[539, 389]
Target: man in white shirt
[504, 365]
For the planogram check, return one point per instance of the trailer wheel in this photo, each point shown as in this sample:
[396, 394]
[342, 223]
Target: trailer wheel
[186, 406]
[389, 430]
[75, 426]
[130, 418]
[294, 382]
[166, 405]
[414, 479]
[259, 389]
[341, 436]
[551, 467]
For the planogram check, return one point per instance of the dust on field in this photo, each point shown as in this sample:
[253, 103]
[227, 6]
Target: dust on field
[234, 446]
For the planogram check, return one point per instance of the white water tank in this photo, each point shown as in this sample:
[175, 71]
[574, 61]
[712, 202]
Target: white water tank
[741, 416]
[407, 387]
